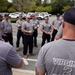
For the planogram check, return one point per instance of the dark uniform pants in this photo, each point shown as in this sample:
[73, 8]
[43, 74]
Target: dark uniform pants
[54, 34]
[35, 34]
[28, 42]
[44, 38]
[19, 35]
[8, 38]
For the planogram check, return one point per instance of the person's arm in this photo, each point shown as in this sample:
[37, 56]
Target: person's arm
[39, 66]
[13, 59]
[42, 29]
[39, 71]
[18, 25]
[59, 33]
[24, 29]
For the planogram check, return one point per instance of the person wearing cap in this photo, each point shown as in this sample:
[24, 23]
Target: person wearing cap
[35, 22]
[46, 29]
[56, 24]
[8, 37]
[58, 57]
[27, 29]
[19, 23]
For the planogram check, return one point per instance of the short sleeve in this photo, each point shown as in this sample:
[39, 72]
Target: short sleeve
[40, 61]
[53, 23]
[59, 33]
[13, 58]
[23, 26]
[42, 26]
[38, 22]
[17, 22]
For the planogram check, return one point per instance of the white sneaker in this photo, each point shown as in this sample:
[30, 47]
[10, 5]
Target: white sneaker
[25, 56]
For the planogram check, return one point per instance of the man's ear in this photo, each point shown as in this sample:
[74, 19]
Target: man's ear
[63, 24]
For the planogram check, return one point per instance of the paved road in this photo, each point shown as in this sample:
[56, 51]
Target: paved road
[31, 59]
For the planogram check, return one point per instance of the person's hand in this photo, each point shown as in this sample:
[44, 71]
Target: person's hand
[4, 35]
[19, 26]
[48, 33]
[38, 26]
[30, 32]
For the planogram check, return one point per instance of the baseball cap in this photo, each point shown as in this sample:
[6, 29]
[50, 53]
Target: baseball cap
[58, 15]
[69, 16]
[46, 18]
[6, 15]
[33, 15]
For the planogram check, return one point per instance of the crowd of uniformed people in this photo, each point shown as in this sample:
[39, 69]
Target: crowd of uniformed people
[28, 30]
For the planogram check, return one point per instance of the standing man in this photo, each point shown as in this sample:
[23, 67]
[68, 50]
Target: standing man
[58, 57]
[19, 23]
[7, 29]
[27, 29]
[35, 22]
[56, 24]
[46, 29]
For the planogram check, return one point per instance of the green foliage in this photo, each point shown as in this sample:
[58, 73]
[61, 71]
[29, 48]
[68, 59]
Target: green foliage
[3, 5]
[38, 2]
[57, 5]
[48, 9]
[66, 8]
[40, 9]
[32, 6]
[11, 10]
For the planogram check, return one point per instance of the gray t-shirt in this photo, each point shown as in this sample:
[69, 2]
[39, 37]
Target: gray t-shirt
[57, 23]
[27, 26]
[8, 56]
[57, 58]
[19, 22]
[59, 33]
[34, 22]
[7, 26]
[46, 27]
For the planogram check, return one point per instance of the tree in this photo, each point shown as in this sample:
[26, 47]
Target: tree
[40, 9]
[3, 5]
[11, 9]
[22, 5]
[38, 2]
[66, 8]
[57, 5]
[32, 6]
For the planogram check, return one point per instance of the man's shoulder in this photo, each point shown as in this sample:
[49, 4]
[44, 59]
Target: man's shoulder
[52, 45]
[5, 45]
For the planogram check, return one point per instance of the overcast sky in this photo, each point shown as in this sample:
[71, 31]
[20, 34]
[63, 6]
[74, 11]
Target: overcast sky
[10, 0]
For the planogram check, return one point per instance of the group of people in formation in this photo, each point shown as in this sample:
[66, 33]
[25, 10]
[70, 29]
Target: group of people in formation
[28, 30]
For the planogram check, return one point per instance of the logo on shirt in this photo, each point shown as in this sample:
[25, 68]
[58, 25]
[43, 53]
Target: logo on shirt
[67, 65]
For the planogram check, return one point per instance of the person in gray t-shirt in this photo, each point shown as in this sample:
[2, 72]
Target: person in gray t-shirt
[9, 59]
[58, 57]
[46, 29]
[59, 33]
[8, 37]
[27, 29]
[56, 24]
[35, 22]
[19, 23]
